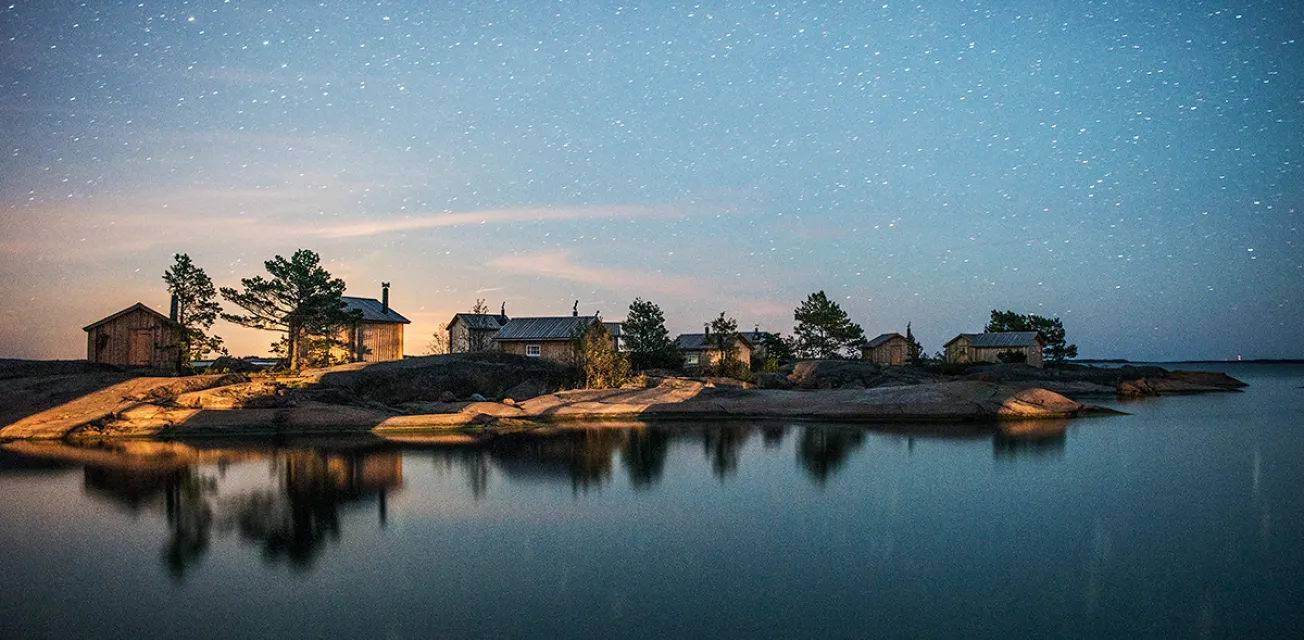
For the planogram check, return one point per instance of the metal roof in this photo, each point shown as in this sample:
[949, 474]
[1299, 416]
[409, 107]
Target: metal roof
[139, 305]
[698, 341]
[372, 310]
[549, 328]
[879, 341]
[970, 336]
[1004, 339]
[480, 321]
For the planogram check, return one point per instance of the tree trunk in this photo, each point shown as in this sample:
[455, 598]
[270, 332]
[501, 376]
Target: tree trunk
[293, 347]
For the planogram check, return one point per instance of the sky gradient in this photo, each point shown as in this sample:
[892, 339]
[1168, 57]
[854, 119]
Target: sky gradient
[1131, 168]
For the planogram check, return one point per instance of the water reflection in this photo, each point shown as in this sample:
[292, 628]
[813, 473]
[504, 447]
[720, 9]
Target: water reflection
[1030, 439]
[288, 503]
[644, 455]
[290, 520]
[821, 452]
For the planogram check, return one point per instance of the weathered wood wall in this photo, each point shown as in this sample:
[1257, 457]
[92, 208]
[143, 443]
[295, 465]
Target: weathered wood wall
[135, 339]
[555, 350]
[380, 341]
[891, 353]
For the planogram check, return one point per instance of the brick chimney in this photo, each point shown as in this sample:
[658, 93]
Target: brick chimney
[176, 309]
[384, 298]
[706, 329]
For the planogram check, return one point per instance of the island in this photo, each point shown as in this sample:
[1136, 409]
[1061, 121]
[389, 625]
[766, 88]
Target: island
[493, 391]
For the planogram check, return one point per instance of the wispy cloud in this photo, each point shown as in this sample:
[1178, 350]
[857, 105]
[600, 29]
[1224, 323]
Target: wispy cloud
[490, 216]
[558, 264]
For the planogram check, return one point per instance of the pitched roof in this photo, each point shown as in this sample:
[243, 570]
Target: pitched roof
[372, 310]
[969, 336]
[1004, 339]
[753, 337]
[138, 306]
[882, 339]
[698, 341]
[549, 328]
[480, 321]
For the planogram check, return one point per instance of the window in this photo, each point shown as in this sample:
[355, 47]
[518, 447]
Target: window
[533, 350]
[690, 358]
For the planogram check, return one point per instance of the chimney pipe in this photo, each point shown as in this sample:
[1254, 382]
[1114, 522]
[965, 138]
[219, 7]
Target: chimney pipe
[575, 310]
[176, 308]
[384, 298]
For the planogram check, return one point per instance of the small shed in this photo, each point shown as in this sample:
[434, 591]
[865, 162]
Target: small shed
[889, 349]
[701, 353]
[137, 336]
[379, 337]
[988, 347]
[474, 331]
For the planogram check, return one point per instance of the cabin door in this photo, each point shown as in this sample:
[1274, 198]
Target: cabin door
[141, 347]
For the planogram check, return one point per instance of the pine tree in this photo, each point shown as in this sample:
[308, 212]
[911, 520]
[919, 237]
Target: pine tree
[823, 329]
[646, 338]
[301, 299]
[196, 308]
[914, 350]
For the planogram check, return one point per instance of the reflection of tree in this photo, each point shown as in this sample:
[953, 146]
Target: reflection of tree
[190, 521]
[582, 455]
[294, 523]
[644, 456]
[723, 446]
[773, 436]
[822, 451]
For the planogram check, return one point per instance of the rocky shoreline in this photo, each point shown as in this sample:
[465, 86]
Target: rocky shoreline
[416, 395]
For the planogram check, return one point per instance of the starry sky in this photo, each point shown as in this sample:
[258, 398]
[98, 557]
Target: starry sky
[1131, 167]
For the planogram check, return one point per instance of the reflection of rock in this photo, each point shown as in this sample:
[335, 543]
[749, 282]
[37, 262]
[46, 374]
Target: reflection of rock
[1030, 438]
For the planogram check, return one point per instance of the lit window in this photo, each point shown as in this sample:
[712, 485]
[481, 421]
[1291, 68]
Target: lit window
[533, 350]
[690, 358]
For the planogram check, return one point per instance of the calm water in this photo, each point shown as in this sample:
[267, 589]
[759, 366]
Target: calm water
[1185, 519]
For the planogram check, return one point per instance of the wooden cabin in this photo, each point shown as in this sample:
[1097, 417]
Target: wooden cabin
[548, 337]
[379, 336]
[474, 331]
[700, 353]
[137, 336]
[889, 350]
[988, 347]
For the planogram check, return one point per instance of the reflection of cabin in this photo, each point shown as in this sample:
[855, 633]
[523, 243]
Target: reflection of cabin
[548, 337]
[988, 347]
[379, 337]
[700, 352]
[474, 331]
[137, 336]
[889, 349]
